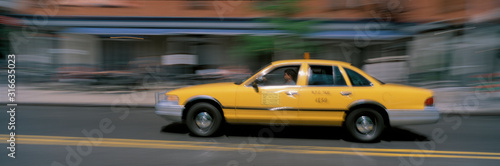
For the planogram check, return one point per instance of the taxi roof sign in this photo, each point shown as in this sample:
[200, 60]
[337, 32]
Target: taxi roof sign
[306, 55]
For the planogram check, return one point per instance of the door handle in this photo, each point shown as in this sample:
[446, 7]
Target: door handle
[345, 93]
[291, 93]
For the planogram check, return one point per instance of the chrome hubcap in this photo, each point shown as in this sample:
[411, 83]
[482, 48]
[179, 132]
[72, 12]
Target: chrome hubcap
[203, 120]
[364, 124]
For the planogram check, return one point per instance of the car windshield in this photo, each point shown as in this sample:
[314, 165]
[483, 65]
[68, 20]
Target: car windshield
[246, 78]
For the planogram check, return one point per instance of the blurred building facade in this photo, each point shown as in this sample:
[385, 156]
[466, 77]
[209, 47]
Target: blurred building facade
[7, 24]
[415, 41]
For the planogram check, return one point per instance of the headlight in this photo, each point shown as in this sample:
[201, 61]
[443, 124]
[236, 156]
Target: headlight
[163, 97]
[172, 98]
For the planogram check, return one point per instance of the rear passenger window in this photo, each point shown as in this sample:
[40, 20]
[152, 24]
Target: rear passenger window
[326, 76]
[356, 78]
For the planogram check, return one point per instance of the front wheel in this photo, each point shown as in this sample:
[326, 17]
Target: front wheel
[203, 119]
[365, 124]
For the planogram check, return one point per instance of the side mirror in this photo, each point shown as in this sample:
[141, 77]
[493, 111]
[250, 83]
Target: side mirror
[259, 80]
[255, 86]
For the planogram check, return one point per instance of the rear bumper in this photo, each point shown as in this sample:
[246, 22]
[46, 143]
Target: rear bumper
[412, 117]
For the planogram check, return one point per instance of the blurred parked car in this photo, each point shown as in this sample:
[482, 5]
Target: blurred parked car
[90, 75]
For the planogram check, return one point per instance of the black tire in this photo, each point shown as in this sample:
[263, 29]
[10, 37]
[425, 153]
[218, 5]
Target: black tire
[203, 119]
[365, 125]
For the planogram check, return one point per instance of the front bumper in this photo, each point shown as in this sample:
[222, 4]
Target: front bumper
[169, 111]
[412, 117]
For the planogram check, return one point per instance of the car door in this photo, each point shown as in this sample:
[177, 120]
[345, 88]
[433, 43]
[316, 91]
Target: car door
[271, 101]
[325, 98]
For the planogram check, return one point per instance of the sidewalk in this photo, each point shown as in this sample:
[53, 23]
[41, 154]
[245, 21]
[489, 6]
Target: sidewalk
[86, 95]
[466, 100]
[456, 100]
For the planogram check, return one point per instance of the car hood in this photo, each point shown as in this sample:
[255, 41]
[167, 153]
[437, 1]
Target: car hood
[215, 90]
[204, 87]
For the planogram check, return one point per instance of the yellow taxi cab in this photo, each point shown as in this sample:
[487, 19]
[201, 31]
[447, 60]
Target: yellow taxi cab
[301, 92]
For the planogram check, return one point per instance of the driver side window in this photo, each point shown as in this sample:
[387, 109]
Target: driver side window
[285, 75]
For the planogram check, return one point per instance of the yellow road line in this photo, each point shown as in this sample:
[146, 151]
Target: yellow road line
[214, 146]
[109, 139]
[263, 145]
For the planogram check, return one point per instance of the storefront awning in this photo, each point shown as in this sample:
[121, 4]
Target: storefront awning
[341, 35]
[10, 21]
[146, 31]
[361, 35]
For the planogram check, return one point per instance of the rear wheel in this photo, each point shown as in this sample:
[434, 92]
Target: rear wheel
[203, 119]
[365, 124]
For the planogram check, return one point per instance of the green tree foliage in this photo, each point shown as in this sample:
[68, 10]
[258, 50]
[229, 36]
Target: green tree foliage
[280, 13]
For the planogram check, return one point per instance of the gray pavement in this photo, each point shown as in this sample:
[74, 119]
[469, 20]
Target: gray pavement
[59, 135]
[459, 100]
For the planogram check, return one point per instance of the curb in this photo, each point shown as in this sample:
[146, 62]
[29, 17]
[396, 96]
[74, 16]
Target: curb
[465, 113]
[471, 114]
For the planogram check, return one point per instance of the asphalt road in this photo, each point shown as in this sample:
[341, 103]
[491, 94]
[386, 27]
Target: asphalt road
[56, 136]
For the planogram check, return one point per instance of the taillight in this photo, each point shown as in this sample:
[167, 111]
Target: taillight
[429, 101]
